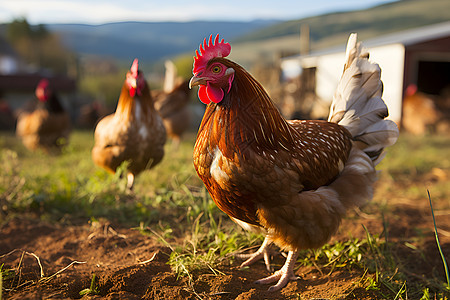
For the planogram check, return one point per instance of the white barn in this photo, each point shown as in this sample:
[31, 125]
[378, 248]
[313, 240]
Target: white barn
[420, 56]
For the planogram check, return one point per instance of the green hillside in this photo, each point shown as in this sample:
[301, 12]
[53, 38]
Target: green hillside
[333, 28]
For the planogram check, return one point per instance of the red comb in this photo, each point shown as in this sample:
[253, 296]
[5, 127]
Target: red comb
[43, 83]
[42, 90]
[210, 50]
[134, 68]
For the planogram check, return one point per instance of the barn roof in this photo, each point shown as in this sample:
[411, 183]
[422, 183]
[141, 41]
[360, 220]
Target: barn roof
[413, 36]
[406, 37]
[27, 83]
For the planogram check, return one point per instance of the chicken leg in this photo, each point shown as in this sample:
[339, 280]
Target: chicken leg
[263, 252]
[283, 275]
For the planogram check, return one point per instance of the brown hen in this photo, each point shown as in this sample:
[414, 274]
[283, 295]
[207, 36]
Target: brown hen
[134, 133]
[46, 125]
[292, 179]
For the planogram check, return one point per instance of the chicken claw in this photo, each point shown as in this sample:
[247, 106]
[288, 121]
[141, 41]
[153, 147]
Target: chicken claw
[263, 252]
[283, 275]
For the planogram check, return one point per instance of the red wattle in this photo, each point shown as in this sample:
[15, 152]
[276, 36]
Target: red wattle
[132, 92]
[215, 94]
[210, 93]
[202, 95]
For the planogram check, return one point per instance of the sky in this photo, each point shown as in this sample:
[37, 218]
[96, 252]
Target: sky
[105, 11]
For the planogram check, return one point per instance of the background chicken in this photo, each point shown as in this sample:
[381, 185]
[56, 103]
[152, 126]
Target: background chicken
[173, 103]
[45, 124]
[134, 133]
[293, 179]
[420, 114]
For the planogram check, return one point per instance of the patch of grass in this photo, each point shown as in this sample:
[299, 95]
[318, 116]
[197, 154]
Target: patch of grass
[5, 274]
[384, 271]
[202, 253]
[413, 155]
[70, 186]
[211, 241]
[444, 261]
[338, 255]
[413, 165]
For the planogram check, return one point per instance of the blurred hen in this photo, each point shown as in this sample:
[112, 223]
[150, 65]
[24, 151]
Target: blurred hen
[293, 180]
[45, 125]
[172, 103]
[420, 114]
[134, 133]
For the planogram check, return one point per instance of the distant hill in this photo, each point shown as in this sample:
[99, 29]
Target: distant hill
[148, 40]
[334, 28]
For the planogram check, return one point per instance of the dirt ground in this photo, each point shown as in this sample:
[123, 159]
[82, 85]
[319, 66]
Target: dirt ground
[130, 265]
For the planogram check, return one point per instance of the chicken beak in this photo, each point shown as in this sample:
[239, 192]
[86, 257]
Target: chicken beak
[195, 81]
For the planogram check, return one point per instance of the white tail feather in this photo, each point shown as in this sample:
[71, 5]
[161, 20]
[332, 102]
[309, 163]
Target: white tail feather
[357, 104]
[170, 76]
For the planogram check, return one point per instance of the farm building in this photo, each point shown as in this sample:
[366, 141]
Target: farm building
[18, 81]
[418, 57]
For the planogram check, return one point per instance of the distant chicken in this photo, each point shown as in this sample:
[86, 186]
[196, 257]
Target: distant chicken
[46, 125]
[134, 133]
[420, 114]
[173, 104]
[292, 179]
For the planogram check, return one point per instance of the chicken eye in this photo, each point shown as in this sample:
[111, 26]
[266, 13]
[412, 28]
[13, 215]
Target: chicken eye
[216, 69]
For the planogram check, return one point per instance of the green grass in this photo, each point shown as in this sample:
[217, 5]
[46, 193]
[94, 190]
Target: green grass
[70, 184]
[171, 200]
[414, 165]
[92, 290]
[444, 261]
[417, 156]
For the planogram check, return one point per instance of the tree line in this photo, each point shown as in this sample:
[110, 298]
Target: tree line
[40, 48]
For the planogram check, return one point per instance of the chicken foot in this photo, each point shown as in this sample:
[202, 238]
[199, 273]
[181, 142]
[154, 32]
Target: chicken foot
[283, 275]
[263, 252]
